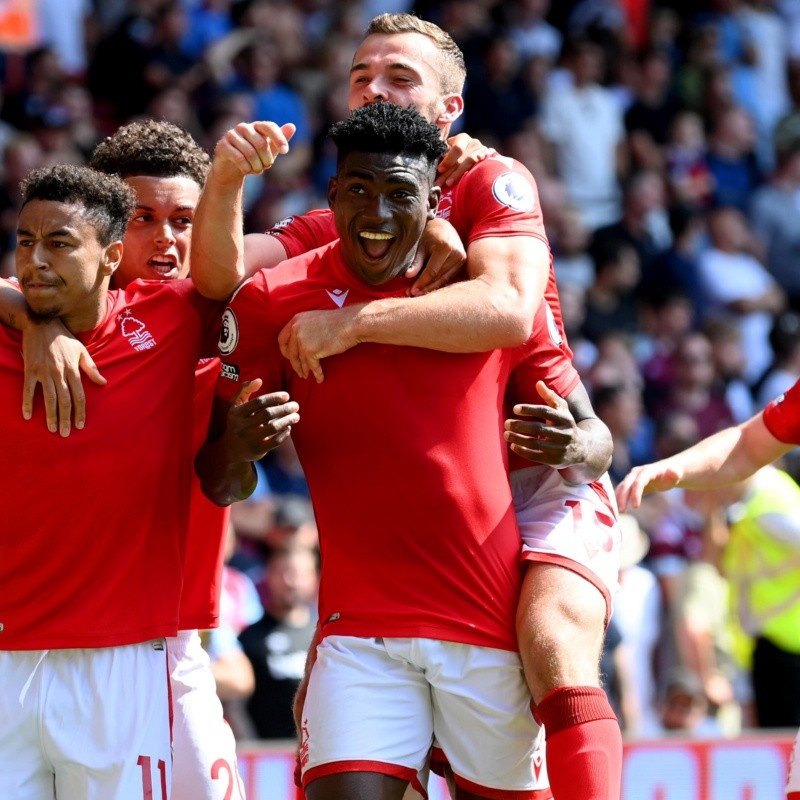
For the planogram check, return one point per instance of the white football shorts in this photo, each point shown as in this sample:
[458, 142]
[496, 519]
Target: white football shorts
[85, 723]
[375, 705]
[204, 749]
[574, 525]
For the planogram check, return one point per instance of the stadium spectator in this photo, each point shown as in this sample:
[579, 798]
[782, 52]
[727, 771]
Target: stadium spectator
[695, 387]
[735, 281]
[583, 125]
[775, 218]
[731, 159]
[784, 371]
[277, 644]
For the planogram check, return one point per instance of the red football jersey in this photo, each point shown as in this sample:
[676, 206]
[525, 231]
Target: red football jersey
[402, 451]
[497, 197]
[208, 523]
[93, 530]
[782, 416]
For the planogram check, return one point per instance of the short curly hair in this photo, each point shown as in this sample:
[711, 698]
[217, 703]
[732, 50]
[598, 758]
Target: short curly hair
[388, 128]
[152, 148]
[108, 201]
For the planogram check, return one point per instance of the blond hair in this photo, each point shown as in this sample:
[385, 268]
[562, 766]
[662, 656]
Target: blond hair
[453, 69]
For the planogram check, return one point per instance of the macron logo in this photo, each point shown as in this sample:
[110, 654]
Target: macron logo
[338, 296]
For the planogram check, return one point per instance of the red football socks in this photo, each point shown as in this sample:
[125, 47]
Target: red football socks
[584, 744]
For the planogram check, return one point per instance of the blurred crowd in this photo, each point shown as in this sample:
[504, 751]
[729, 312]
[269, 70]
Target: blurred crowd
[665, 141]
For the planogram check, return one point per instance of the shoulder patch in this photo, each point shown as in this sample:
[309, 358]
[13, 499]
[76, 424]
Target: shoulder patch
[276, 228]
[229, 332]
[513, 190]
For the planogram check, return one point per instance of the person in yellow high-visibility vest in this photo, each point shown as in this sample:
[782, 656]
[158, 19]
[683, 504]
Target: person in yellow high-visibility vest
[727, 457]
[762, 564]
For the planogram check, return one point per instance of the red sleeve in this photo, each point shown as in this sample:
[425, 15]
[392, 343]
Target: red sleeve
[544, 357]
[300, 234]
[248, 341]
[782, 416]
[497, 197]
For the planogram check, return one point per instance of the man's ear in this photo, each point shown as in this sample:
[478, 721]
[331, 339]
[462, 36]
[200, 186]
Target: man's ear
[434, 195]
[453, 108]
[332, 187]
[111, 258]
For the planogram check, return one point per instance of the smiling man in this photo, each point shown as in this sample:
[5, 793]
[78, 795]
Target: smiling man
[420, 551]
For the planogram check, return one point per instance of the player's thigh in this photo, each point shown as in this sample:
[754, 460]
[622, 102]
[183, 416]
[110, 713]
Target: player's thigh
[25, 772]
[118, 744]
[368, 709]
[482, 719]
[203, 745]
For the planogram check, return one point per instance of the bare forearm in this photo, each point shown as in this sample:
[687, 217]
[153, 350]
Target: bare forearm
[466, 317]
[13, 308]
[224, 481]
[217, 258]
[727, 457]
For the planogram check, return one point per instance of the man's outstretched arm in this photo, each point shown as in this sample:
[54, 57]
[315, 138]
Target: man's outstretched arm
[726, 457]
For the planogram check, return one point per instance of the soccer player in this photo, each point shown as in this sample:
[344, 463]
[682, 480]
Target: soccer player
[167, 168]
[721, 459]
[494, 207]
[90, 554]
[420, 550]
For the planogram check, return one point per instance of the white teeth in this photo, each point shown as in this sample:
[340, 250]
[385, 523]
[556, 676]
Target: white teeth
[375, 235]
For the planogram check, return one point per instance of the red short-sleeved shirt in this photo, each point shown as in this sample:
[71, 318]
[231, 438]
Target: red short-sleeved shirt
[497, 197]
[205, 538]
[93, 527]
[402, 451]
[782, 416]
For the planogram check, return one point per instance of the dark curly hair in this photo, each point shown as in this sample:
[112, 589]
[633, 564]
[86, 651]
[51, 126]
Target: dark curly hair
[108, 201]
[387, 128]
[153, 148]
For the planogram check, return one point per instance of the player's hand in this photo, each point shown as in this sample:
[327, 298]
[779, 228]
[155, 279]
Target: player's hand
[311, 336]
[657, 477]
[549, 434]
[250, 148]
[256, 426]
[442, 255]
[464, 153]
[54, 359]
